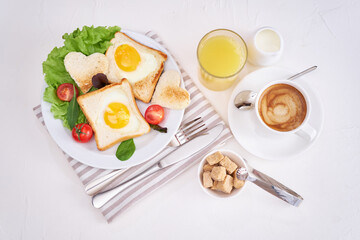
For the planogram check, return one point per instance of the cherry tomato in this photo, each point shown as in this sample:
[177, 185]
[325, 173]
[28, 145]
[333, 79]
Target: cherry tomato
[66, 92]
[82, 132]
[154, 114]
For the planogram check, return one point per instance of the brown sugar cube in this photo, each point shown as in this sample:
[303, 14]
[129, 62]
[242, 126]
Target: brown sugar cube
[214, 185]
[214, 158]
[227, 185]
[218, 173]
[228, 164]
[207, 181]
[207, 167]
[238, 183]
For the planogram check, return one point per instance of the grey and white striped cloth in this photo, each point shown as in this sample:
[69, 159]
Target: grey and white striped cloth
[199, 106]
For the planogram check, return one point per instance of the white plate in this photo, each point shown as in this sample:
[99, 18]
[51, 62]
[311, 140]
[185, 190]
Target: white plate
[147, 146]
[253, 136]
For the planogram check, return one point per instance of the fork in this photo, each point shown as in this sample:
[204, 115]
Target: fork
[185, 133]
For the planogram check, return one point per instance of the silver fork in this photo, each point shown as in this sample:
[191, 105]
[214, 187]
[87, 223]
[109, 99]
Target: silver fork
[185, 133]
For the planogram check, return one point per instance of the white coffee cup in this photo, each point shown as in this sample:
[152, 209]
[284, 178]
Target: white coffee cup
[304, 130]
[265, 46]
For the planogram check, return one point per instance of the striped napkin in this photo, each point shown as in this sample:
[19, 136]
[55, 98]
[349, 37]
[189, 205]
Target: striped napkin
[199, 106]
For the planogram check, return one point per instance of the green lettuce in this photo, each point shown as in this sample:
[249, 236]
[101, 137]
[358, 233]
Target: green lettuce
[88, 40]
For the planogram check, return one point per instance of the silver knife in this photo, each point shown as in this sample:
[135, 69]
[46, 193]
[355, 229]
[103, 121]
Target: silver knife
[181, 153]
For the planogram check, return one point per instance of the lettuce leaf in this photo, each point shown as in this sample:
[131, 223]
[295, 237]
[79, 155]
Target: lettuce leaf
[88, 40]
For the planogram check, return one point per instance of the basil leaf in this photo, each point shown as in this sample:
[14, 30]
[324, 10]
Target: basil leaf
[125, 150]
[73, 111]
[158, 128]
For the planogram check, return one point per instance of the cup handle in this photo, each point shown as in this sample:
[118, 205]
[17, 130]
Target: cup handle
[307, 132]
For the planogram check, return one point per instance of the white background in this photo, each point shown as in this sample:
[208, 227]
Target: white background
[42, 198]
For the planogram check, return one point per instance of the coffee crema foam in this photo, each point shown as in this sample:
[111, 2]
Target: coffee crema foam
[282, 107]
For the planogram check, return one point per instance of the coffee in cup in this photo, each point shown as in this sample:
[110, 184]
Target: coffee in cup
[282, 107]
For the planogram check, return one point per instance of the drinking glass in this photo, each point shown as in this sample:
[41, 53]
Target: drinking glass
[221, 55]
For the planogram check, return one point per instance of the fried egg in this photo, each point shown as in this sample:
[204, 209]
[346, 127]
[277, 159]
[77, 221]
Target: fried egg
[116, 114]
[128, 61]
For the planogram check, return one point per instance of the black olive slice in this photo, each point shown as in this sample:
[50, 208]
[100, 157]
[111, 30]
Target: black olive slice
[99, 80]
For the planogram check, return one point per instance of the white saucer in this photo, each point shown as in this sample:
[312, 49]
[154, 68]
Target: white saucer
[253, 136]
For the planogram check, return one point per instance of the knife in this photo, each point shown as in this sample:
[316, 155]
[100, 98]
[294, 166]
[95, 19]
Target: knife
[183, 152]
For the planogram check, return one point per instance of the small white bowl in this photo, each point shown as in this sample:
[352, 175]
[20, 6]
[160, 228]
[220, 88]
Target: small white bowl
[235, 158]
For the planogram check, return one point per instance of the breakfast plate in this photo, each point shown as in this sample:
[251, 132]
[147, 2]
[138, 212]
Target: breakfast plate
[147, 146]
[248, 131]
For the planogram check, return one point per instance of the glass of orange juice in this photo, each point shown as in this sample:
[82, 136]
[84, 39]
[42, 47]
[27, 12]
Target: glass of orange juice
[221, 55]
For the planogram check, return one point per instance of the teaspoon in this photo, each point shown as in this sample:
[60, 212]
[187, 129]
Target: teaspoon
[269, 184]
[246, 99]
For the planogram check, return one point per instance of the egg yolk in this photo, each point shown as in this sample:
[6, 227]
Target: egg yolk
[116, 115]
[127, 58]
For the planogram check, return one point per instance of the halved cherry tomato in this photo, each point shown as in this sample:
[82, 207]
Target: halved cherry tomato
[154, 114]
[66, 92]
[82, 132]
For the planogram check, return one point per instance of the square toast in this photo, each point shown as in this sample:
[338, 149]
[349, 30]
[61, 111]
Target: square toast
[146, 75]
[110, 125]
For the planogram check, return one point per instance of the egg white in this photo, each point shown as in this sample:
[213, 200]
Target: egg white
[119, 96]
[147, 64]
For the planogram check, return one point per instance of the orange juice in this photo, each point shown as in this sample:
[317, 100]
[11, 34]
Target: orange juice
[221, 55]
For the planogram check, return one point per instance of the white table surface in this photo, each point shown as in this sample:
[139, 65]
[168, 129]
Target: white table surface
[42, 198]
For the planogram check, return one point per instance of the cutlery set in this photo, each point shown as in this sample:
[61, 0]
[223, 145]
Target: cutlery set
[190, 139]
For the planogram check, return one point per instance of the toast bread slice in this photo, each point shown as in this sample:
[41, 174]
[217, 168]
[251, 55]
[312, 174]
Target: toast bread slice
[168, 92]
[82, 68]
[143, 87]
[93, 105]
